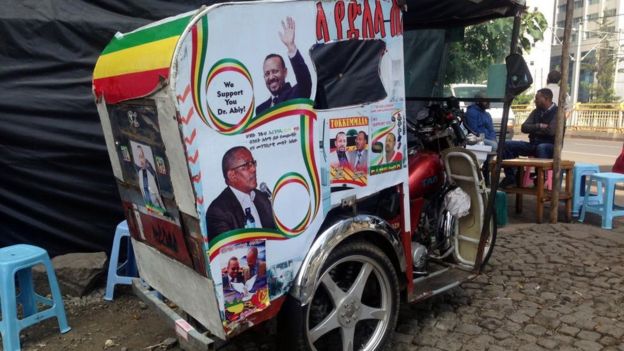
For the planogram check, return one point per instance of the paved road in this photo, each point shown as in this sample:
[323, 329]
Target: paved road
[548, 287]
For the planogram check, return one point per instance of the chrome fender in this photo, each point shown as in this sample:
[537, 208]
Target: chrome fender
[309, 273]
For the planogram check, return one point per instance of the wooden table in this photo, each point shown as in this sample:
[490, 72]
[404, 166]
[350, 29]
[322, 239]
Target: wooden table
[542, 195]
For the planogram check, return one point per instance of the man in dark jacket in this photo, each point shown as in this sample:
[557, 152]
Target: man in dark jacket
[275, 72]
[240, 204]
[540, 126]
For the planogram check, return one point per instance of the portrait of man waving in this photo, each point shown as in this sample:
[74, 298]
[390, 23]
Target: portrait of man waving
[275, 72]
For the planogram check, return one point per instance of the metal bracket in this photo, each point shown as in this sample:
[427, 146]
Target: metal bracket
[189, 338]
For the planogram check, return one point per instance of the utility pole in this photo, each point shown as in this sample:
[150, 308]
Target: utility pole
[577, 64]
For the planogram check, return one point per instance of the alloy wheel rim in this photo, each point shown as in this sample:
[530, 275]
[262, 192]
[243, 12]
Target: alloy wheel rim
[351, 305]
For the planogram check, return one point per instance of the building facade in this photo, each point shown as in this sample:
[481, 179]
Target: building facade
[539, 57]
[601, 23]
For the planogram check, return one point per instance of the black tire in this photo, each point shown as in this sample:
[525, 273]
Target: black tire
[337, 304]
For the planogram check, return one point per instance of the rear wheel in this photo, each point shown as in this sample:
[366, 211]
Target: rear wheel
[354, 306]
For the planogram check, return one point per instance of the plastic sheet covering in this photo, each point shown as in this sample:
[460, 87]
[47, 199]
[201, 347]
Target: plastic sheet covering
[56, 185]
[457, 202]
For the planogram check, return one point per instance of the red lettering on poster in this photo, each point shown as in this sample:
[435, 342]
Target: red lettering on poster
[379, 20]
[355, 10]
[396, 22]
[322, 30]
[372, 21]
[339, 15]
[367, 22]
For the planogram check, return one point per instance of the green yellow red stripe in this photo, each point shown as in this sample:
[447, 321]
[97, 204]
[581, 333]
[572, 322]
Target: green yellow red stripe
[292, 178]
[229, 65]
[242, 235]
[307, 148]
[199, 36]
[134, 64]
[171, 27]
[131, 85]
[146, 57]
[377, 136]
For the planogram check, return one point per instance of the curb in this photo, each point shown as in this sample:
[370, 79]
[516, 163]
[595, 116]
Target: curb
[581, 134]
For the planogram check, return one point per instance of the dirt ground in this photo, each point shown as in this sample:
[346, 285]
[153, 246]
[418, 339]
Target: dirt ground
[123, 324]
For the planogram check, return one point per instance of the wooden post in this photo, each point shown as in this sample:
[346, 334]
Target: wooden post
[565, 67]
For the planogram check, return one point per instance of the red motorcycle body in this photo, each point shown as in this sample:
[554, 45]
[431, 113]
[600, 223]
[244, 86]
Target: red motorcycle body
[426, 174]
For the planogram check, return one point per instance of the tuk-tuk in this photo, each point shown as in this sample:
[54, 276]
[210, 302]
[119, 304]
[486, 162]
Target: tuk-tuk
[262, 154]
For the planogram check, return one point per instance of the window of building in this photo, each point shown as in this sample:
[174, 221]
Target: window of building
[593, 2]
[609, 13]
[561, 24]
[562, 8]
[342, 65]
[578, 4]
[592, 16]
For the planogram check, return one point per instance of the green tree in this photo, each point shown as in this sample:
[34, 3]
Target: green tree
[488, 43]
[604, 69]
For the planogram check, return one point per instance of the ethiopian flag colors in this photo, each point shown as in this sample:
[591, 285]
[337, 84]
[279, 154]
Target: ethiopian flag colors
[134, 64]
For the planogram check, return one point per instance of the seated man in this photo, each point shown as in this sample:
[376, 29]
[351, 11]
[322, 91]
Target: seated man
[540, 126]
[479, 121]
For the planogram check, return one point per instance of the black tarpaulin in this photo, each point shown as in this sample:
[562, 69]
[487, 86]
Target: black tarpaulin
[456, 13]
[57, 189]
[56, 185]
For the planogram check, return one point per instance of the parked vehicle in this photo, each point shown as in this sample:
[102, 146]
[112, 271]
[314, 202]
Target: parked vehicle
[468, 91]
[314, 199]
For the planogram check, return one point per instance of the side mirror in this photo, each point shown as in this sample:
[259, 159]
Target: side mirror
[518, 75]
[377, 147]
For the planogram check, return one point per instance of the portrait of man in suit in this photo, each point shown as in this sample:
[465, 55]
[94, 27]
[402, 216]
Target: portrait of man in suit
[358, 159]
[240, 204]
[275, 72]
[339, 159]
[146, 173]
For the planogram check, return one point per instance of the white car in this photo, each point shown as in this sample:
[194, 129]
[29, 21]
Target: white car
[466, 90]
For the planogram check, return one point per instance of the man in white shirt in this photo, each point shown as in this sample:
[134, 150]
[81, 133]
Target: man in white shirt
[552, 83]
[240, 204]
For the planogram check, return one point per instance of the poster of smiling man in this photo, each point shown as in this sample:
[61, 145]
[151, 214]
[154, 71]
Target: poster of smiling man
[348, 157]
[244, 280]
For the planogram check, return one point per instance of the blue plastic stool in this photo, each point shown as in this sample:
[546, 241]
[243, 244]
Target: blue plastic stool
[17, 261]
[604, 208]
[582, 171]
[124, 272]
